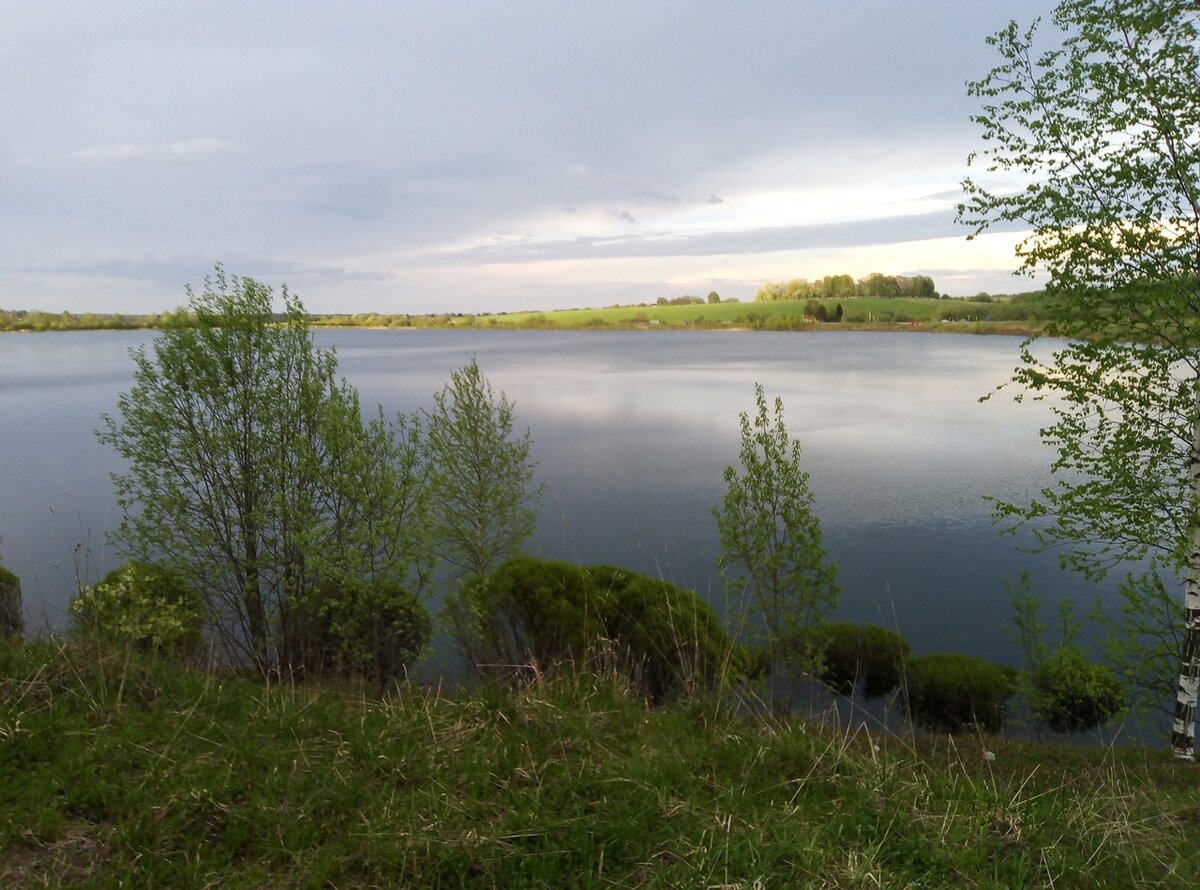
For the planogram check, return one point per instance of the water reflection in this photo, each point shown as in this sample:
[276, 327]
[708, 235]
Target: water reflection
[632, 432]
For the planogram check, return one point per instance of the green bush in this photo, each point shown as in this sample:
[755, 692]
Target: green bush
[141, 605]
[951, 691]
[1072, 694]
[670, 640]
[666, 638]
[528, 610]
[378, 629]
[862, 653]
[355, 628]
[12, 617]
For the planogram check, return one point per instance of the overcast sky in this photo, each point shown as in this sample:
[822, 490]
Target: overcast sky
[475, 156]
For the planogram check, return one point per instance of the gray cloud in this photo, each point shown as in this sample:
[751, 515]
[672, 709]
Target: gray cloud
[858, 233]
[376, 135]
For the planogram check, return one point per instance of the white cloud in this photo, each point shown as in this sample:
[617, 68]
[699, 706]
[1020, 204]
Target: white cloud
[183, 151]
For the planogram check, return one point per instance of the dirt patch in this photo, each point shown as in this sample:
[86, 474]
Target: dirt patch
[68, 859]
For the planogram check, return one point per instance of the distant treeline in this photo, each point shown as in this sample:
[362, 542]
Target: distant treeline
[837, 287]
[36, 320]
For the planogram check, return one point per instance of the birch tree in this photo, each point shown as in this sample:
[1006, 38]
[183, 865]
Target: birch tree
[1092, 143]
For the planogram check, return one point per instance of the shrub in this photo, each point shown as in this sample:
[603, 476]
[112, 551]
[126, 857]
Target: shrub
[865, 653]
[354, 628]
[528, 609]
[669, 638]
[951, 691]
[379, 628]
[141, 605]
[1072, 694]
[666, 638]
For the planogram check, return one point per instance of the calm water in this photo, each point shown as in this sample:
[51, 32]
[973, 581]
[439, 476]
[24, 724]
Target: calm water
[631, 432]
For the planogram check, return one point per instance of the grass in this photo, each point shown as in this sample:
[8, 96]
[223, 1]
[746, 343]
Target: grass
[861, 313]
[142, 774]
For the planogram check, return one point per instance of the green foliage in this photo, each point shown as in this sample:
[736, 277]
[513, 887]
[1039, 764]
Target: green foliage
[12, 614]
[667, 637]
[1065, 689]
[1144, 638]
[664, 638]
[834, 287]
[483, 496]
[1101, 130]
[377, 629]
[529, 610]
[252, 473]
[143, 606]
[952, 692]
[770, 536]
[1073, 694]
[866, 654]
[215, 781]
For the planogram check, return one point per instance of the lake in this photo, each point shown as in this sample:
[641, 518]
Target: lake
[631, 432]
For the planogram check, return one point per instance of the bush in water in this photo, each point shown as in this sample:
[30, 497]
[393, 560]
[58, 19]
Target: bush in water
[1072, 694]
[951, 691]
[862, 653]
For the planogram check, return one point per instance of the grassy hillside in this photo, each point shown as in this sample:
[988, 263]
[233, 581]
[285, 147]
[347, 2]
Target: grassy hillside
[124, 773]
[1022, 313]
[871, 313]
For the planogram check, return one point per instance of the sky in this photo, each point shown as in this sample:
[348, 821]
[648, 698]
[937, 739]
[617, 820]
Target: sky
[443, 156]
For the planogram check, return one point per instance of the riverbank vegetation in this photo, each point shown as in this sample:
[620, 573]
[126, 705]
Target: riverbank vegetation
[132, 770]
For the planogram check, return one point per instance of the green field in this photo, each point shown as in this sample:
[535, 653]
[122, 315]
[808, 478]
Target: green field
[859, 313]
[1022, 313]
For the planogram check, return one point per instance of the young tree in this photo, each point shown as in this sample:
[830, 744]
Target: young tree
[252, 474]
[484, 500]
[1101, 132]
[770, 537]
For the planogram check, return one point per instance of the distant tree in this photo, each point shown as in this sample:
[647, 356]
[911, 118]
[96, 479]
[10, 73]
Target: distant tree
[839, 313]
[714, 297]
[878, 285]
[923, 286]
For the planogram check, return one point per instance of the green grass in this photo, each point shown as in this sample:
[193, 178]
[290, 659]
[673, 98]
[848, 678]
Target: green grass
[124, 773]
[870, 313]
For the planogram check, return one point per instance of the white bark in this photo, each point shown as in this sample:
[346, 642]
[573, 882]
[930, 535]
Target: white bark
[1183, 731]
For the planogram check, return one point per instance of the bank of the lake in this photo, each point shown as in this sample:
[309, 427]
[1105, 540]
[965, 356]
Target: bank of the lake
[125, 772]
[1016, 314]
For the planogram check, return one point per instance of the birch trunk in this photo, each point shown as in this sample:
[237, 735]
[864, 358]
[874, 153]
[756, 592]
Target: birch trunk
[1183, 732]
